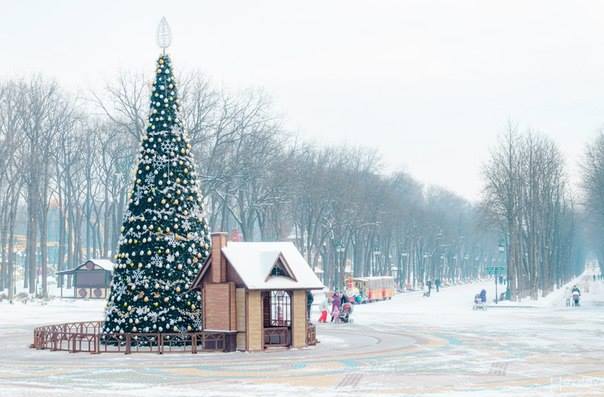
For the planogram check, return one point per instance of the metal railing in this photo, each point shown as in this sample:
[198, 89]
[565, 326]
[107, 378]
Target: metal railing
[88, 337]
[277, 336]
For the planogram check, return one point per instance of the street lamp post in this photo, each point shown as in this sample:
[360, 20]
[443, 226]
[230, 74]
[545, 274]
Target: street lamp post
[427, 259]
[405, 266]
[501, 251]
[454, 272]
[466, 259]
[339, 251]
[376, 254]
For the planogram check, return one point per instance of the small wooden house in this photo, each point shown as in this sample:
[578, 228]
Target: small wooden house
[91, 279]
[256, 293]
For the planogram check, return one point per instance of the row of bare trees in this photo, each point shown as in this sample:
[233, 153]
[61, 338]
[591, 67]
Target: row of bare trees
[63, 179]
[593, 188]
[527, 197]
[65, 171]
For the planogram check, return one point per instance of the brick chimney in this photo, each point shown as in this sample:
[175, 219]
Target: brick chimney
[218, 270]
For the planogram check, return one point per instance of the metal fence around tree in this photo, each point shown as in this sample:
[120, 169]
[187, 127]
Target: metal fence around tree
[88, 337]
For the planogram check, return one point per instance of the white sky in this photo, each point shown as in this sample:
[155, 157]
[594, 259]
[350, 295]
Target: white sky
[429, 83]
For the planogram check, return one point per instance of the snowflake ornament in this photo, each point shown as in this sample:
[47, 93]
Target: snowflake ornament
[149, 179]
[172, 242]
[159, 162]
[156, 260]
[119, 288]
[168, 146]
[137, 276]
[138, 195]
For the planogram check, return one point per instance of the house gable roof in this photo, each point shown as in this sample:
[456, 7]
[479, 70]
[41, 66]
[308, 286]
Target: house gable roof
[196, 284]
[254, 263]
[103, 264]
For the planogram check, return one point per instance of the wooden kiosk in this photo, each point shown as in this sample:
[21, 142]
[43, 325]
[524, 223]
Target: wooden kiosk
[256, 293]
[91, 279]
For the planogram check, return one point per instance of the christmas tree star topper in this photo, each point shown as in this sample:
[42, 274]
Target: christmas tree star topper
[164, 35]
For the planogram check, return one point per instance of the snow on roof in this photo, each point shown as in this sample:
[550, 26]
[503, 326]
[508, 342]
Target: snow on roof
[106, 264]
[253, 262]
[372, 278]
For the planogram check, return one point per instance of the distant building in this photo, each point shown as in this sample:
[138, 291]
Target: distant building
[91, 279]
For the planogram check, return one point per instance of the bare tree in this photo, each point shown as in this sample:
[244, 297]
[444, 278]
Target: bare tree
[526, 197]
[593, 186]
[125, 103]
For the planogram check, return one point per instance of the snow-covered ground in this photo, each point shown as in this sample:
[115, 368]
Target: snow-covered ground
[409, 346]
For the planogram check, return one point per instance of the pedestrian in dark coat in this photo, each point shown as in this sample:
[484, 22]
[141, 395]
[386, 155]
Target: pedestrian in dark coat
[309, 300]
[483, 296]
[343, 299]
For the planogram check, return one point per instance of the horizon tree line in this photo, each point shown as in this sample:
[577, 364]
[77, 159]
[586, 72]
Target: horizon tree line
[66, 164]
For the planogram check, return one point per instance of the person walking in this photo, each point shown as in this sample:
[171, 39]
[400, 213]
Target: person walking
[309, 300]
[576, 295]
[323, 317]
[483, 296]
[335, 314]
[335, 304]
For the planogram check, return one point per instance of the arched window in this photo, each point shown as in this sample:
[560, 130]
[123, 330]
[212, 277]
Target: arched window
[277, 309]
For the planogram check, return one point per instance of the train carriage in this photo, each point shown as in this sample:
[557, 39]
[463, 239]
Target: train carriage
[374, 288]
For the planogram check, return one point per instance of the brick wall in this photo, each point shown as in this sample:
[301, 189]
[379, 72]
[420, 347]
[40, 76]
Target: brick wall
[218, 270]
[299, 318]
[219, 306]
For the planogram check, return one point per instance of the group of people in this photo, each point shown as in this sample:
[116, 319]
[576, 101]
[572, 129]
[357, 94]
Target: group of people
[341, 308]
[437, 285]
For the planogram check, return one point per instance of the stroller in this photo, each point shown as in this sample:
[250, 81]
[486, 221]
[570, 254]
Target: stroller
[345, 313]
[479, 303]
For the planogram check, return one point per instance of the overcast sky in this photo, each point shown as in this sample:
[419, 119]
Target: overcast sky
[430, 84]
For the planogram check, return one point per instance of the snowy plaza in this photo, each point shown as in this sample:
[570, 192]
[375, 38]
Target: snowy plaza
[348, 198]
[409, 346]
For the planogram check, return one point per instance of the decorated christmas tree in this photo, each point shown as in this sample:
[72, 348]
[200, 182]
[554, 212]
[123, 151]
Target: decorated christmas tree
[164, 237]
